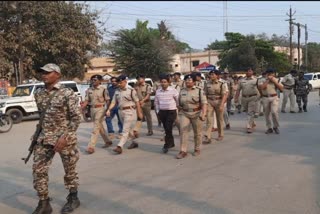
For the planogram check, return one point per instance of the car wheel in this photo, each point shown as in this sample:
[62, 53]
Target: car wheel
[16, 115]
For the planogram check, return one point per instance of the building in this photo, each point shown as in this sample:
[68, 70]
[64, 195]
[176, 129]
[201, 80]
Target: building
[295, 54]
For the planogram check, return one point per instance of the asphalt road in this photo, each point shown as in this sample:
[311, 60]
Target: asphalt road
[244, 174]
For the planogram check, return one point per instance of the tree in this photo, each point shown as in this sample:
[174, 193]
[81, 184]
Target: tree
[142, 50]
[59, 32]
[313, 57]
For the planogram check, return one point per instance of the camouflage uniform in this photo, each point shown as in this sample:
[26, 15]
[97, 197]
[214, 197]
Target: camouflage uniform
[301, 90]
[61, 117]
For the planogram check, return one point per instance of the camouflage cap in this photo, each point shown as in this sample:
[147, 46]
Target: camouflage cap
[50, 67]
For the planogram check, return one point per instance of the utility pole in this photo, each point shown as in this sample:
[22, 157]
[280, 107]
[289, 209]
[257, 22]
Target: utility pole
[306, 43]
[291, 30]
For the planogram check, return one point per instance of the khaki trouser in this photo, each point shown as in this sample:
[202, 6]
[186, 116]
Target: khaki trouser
[127, 117]
[288, 93]
[219, 114]
[210, 119]
[185, 122]
[225, 115]
[146, 110]
[97, 114]
[249, 105]
[271, 105]
[259, 106]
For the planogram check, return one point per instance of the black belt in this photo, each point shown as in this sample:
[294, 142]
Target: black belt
[249, 95]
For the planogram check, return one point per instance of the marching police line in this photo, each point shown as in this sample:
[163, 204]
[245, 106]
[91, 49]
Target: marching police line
[192, 103]
[189, 105]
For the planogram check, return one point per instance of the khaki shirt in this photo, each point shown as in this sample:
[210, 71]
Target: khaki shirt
[248, 86]
[143, 91]
[271, 87]
[288, 81]
[180, 83]
[200, 84]
[124, 97]
[177, 87]
[190, 99]
[215, 89]
[97, 96]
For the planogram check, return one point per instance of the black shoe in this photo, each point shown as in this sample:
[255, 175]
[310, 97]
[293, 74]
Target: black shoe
[228, 126]
[165, 150]
[73, 202]
[133, 145]
[43, 207]
[232, 113]
[269, 131]
[305, 109]
[300, 110]
[171, 146]
[292, 112]
[150, 133]
[283, 111]
[276, 130]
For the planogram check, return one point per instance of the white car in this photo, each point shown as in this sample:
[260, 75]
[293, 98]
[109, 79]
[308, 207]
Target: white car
[22, 102]
[314, 79]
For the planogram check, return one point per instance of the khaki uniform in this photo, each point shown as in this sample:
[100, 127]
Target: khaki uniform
[63, 116]
[259, 104]
[190, 102]
[126, 100]
[142, 92]
[288, 85]
[230, 83]
[180, 83]
[214, 92]
[250, 94]
[270, 102]
[97, 98]
[178, 88]
[201, 84]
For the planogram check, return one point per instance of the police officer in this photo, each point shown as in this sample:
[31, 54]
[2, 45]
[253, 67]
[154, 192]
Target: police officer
[270, 100]
[155, 87]
[259, 105]
[59, 124]
[216, 93]
[250, 94]
[98, 96]
[127, 100]
[199, 81]
[288, 85]
[177, 80]
[193, 108]
[111, 89]
[301, 90]
[230, 84]
[144, 91]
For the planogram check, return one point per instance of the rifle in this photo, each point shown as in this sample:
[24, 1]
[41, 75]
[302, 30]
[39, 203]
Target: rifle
[33, 143]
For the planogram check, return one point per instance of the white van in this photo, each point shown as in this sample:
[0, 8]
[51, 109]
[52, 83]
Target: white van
[314, 79]
[22, 102]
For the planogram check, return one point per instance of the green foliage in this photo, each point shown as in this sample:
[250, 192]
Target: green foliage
[239, 52]
[142, 50]
[313, 57]
[60, 32]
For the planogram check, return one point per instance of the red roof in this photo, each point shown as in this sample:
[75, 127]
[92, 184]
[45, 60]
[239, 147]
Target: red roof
[203, 65]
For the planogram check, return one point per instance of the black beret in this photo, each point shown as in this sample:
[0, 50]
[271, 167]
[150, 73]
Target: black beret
[190, 76]
[140, 76]
[177, 73]
[121, 78]
[197, 74]
[163, 76]
[96, 76]
[270, 70]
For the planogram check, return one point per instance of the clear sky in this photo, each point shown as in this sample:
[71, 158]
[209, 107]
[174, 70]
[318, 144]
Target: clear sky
[201, 22]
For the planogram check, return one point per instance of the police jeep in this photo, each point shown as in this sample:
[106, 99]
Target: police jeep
[22, 102]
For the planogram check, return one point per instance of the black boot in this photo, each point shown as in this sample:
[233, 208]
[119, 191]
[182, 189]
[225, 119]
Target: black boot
[73, 202]
[43, 207]
[305, 108]
[300, 110]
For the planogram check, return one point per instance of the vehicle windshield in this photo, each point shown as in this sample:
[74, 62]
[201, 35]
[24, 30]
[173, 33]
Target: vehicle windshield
[308, 76]
[21, 91]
